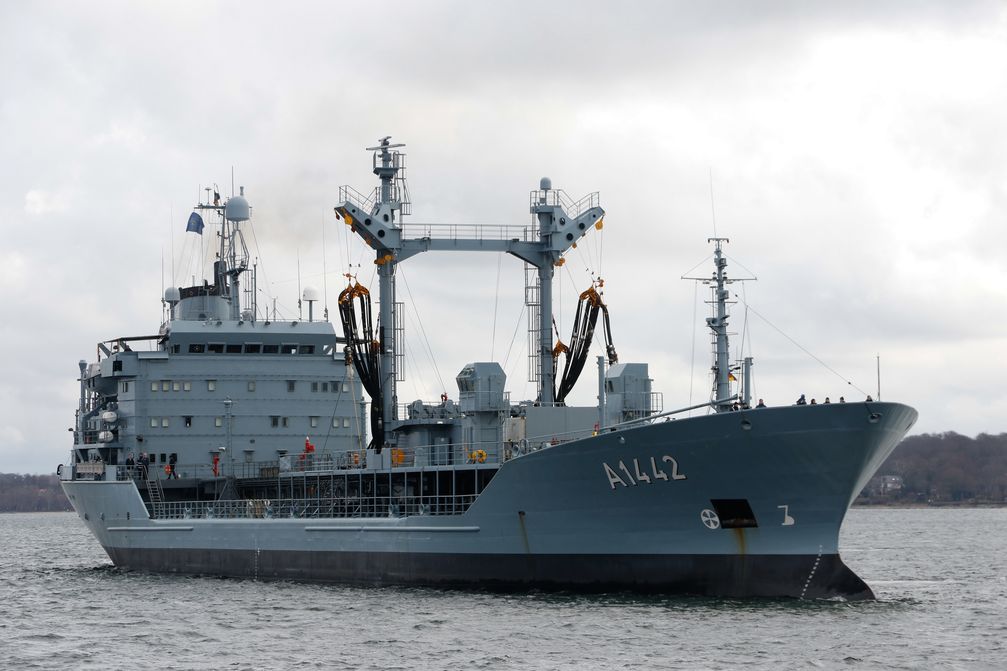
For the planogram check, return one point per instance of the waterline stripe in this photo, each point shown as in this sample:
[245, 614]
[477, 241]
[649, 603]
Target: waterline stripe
[393, 528]
[149, 529]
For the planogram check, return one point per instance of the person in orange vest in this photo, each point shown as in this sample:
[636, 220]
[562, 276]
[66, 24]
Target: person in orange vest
[216, 465]
[309, 449]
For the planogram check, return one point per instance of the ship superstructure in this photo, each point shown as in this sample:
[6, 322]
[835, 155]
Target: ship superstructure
[221, 390]
[284, 472]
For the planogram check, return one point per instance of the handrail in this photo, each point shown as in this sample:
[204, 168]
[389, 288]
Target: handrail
[320, 508]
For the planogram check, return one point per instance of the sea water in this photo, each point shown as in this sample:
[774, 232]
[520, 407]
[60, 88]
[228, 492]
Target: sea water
[940, 576]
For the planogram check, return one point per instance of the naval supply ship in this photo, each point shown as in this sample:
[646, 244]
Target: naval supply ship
[235, 444]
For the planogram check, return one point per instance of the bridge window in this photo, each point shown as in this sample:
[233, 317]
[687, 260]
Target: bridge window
[253, 348]
[153, 422]
[187, 420]
[164, 422]
[313, 422]
[314, 386]
[176, 386]
[211, 385]
[288, 349]
[165, 385]
[218, 422]
[234, 349]
[307, 349]
[270, 349]
[197, 348]
[153, 386]
[215, 348]
[251, 385]
[274, 421]
[187, 386]
[325, 386]
[291, 385]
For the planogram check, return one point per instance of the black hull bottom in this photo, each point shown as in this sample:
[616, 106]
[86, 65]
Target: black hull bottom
[796, 576]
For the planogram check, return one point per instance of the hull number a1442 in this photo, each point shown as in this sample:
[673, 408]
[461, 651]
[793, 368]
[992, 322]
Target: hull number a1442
[630, 476]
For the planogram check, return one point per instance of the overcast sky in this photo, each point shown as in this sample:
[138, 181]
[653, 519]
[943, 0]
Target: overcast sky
[856, 153]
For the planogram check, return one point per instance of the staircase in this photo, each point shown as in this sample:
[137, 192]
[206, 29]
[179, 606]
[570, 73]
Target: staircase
[155, 493]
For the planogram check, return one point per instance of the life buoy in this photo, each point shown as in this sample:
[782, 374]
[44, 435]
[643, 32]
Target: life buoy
[478, 456]
[167, 470]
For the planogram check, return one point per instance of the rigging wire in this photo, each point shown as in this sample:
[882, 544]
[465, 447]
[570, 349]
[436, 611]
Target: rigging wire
[171, 237]
[800, 347]
[325, 274]
[747, 334]
[332, 418]
[423, 331]
[260, 268]
[692, 358]
[703, 262]
[735, 262]
[496, 302]
[520, 319]
[713, 212]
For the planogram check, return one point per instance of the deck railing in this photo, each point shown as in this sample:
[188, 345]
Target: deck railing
[317, 508]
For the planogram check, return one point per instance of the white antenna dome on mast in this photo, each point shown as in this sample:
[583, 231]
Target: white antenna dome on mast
[236, 208]
[311, 294]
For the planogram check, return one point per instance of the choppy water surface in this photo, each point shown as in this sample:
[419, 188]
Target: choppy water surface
[940, 575]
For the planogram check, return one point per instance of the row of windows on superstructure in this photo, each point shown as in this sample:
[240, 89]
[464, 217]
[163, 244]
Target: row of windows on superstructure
[250, 348]
[276, 421]
[211, 385]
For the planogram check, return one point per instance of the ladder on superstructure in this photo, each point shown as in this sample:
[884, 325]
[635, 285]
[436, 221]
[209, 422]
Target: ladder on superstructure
[155, 493]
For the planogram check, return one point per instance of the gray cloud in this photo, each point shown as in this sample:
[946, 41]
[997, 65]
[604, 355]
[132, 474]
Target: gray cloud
[856, 154]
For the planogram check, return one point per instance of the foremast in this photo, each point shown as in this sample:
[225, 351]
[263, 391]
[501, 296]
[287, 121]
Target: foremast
[723, 398]
[560, 222]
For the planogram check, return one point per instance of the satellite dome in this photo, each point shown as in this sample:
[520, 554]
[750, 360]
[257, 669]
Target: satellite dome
[172, 295]
[236, 208]
[311, 294]
[545, 184]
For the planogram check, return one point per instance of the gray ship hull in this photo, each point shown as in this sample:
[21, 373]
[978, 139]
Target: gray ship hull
[644, 509]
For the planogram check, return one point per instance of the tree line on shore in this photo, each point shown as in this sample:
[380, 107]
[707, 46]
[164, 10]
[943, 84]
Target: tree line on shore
[928, 469]
[943, 469]
[31, 494]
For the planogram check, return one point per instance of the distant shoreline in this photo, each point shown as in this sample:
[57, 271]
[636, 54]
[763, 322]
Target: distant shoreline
[939, 504]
